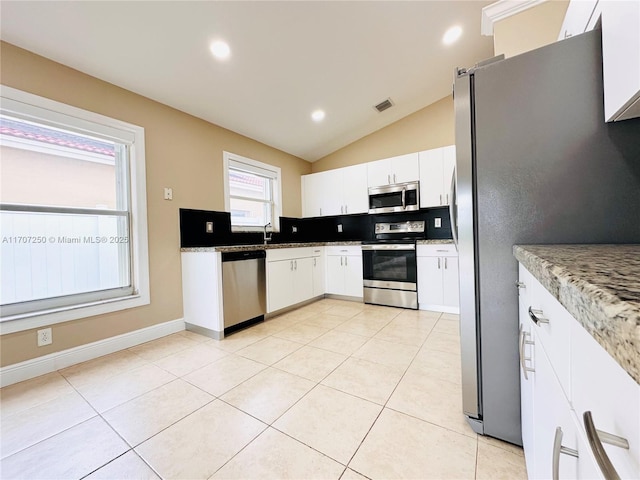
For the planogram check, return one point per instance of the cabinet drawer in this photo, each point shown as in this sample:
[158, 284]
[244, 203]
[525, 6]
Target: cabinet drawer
[277, 254]
[601, 386]
[555, 335]
[317, 251]
[438, 250]
[343, 250]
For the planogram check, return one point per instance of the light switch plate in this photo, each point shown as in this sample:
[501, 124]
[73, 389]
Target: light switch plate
[437, 223]
[168, 193]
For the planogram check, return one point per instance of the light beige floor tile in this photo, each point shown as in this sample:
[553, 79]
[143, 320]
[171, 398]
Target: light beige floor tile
[450, 316]
[269, 394]
[379, 313]
[421, 323]
[28, 427]
[73, 453]
[364, 379]
[198, 445]
[324, 320]
[330, 421]
[433, 400]
[418, 315]
[498, 464]
[399, 446]
[274, 455]
[387, 353]
[351, 475]
[126, 467]
[225, 374]
[311, 363]
[346, 310]
[516, 449]
[191, 359]
[301, 333]
[163, 347]
[196, 337]
[360, 325]
[318, 306]
[24, 395]
[269, 350]
[102, 368]
[122, 388]
[144, 416]
[296, 316]
[447, 325]
[443, 342]
[271, 326]
[339, 342]
[398, 333]
[238, 340]
[433, 363]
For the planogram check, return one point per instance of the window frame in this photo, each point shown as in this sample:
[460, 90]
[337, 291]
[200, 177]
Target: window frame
[49, 112]
[276, 212]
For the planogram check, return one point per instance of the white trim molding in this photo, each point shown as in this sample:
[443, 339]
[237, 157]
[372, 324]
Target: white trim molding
[35, 367]
[504, 9]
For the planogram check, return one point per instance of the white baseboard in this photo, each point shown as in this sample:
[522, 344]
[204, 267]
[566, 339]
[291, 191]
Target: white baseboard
[439, 308]
[35, 367]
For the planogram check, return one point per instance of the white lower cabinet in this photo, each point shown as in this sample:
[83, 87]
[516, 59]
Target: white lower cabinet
[564, 373]
[344, 270]
[438, 286]
[290, 277]
[318, 260]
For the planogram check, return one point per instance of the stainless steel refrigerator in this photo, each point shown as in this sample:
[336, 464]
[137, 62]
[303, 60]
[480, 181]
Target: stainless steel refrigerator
[536, 163]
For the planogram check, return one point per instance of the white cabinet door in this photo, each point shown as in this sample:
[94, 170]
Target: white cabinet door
[621, 59]
[311, 193]
[379, 173]
[355, 196]
[331, 192]
[335, 274]
[577, 18]
[280, 284]
[318, 276]
[431, 173]
[450, 284]
[448, 164]
[404, 168]
[430, 288]
[353, 283]
[302, 279]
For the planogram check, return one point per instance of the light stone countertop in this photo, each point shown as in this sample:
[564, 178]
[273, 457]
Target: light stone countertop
[436, 241]
[600, 286]
[269, 246]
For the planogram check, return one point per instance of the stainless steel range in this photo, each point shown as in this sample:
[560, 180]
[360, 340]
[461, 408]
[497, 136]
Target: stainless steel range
[390, 266]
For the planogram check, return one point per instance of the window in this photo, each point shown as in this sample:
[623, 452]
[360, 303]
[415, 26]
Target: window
[72, 213]
[252, 193]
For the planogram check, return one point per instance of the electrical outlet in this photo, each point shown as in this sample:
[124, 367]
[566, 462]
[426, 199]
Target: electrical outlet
[209, 227]
[437, 223]
[339, 228]
[294, 229]
[44, 337]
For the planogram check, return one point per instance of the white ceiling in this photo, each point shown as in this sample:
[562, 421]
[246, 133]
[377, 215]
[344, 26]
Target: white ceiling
[288, 59]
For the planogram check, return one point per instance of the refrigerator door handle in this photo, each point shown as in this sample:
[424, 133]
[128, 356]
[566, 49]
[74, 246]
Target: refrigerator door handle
[453, 218]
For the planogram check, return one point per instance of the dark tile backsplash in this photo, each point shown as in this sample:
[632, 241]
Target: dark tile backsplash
[319, 229]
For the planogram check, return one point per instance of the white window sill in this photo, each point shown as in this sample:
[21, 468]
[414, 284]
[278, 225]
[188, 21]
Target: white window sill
[27, 321]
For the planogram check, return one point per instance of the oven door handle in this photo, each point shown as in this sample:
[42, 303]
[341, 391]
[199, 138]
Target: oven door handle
[409, 246]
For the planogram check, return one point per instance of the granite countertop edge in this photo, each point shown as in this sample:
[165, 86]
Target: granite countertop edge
[271, 246]
[613, 322]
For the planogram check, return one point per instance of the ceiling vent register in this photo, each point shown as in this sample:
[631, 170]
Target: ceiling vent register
[382, 106]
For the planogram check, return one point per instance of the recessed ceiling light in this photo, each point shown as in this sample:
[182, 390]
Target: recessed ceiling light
[318, 115]
[220, 50]
[451, 35]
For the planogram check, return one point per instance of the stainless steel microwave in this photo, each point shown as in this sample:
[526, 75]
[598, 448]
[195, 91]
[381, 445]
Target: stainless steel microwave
[401, 197]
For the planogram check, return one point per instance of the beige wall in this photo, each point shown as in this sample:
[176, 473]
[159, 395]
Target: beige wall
[182, 152]
[431, 127]
[531, 29]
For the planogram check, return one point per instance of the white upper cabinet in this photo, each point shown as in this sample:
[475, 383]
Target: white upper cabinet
[581, 16]
[436, 171]
[400, 169]
[621, 59]
[335, 192]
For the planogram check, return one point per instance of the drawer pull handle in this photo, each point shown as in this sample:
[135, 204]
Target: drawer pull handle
[557, 450]
[596, 438]
[537, 316]
[523, 359]
[521, 285]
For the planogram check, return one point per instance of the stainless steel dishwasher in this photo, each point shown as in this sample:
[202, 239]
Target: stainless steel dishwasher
[244, 294]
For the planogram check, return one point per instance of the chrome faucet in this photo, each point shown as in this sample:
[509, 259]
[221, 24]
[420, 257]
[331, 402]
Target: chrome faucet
[266, 236]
